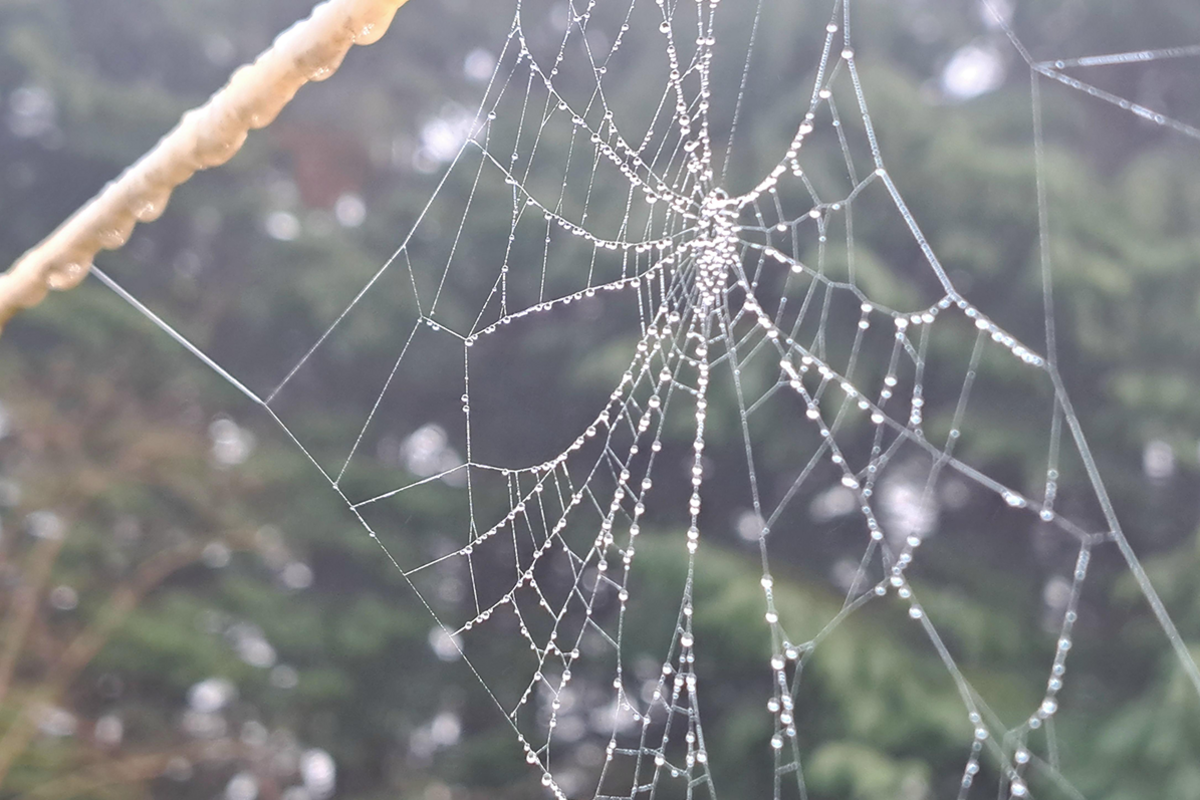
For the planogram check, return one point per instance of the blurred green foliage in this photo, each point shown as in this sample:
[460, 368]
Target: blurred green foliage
[184, 564]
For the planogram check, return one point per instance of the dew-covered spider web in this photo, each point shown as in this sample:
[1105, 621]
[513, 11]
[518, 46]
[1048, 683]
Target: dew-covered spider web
[750, 291]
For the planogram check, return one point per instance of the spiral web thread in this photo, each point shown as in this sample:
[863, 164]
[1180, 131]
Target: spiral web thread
[723, 283]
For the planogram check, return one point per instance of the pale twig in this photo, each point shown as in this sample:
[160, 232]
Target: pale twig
[311, 50]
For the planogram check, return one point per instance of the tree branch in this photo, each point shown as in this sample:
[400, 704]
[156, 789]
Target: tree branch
[311, 50]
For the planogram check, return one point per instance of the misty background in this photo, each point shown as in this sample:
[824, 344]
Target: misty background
[190, 612]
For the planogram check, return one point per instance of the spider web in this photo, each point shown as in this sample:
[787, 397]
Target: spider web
[756, 294]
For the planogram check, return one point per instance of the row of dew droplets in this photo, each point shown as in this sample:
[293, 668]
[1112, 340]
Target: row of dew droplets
[781, 703]
[700, 265]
